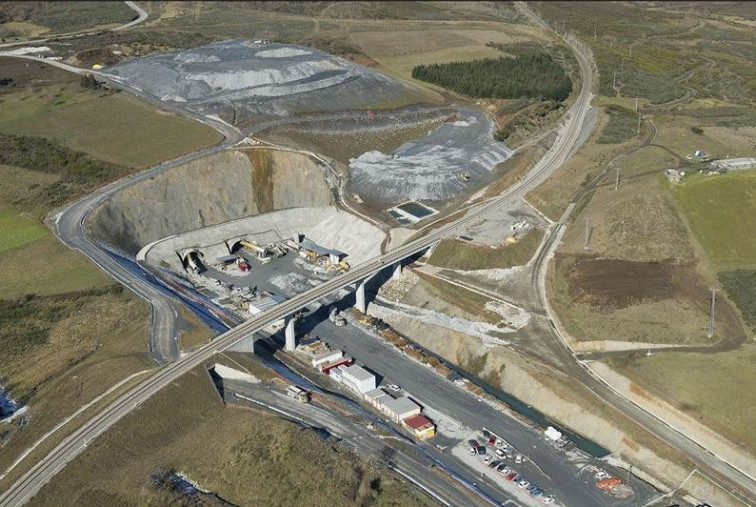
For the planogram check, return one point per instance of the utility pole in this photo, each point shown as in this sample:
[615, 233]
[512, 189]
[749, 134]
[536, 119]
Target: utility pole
[587, 234]
[711, 312]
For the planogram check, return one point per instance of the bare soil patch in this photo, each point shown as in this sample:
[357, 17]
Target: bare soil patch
[642, 301]
[615, 284]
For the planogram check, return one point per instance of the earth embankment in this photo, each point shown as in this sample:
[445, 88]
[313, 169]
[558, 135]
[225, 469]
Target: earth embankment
[224, 186]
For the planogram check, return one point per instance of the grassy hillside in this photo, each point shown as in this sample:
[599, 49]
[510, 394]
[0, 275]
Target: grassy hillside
[68, 332]
[720, 210]
[247, 457]
[709, 395]
[456, 254]
[61, 17]
[113, 127]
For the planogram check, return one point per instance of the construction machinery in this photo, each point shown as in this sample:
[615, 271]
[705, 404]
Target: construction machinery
[253, 247]
[336, 318]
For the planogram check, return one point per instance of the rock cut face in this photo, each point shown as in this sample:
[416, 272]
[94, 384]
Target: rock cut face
[252, 78]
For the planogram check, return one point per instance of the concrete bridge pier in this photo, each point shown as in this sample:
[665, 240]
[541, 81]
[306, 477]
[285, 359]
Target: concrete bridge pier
[290, 334]
[360, 303]
[397, 274]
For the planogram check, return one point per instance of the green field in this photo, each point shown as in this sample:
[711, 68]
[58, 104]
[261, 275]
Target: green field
[63, 17]
[710, 387]
[17, 231]
[115, 128]
[720, 210]
[455, 254]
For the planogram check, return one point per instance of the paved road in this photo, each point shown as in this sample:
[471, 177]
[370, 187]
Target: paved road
[554, 472]
[69, 225]
[355, 432]
[142, 16]
[735, 481]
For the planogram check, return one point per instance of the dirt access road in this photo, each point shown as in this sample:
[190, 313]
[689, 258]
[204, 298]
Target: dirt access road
[75, 215]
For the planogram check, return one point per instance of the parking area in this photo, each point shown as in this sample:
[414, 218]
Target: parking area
[499, 461]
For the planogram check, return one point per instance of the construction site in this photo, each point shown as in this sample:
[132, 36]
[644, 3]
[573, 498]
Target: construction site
[334, 166]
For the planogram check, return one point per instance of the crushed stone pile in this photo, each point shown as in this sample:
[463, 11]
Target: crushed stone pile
[242, 79]
[429, 168]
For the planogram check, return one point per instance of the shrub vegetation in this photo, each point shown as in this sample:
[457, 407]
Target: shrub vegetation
[621, 126]
[40, 154]
[531, 75]
[740, 285]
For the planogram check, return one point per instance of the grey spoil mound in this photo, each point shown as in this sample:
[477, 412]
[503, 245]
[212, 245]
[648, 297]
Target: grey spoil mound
[241, 79]
[427, 169]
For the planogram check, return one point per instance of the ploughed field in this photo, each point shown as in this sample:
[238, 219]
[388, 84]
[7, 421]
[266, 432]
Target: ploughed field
[659, 302]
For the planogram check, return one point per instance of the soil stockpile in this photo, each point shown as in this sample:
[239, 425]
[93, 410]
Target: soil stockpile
[441, 165]
[241, 80]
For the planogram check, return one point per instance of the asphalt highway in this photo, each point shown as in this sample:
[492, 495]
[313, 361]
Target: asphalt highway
[731, 478]
[355, 432]
[70, 227]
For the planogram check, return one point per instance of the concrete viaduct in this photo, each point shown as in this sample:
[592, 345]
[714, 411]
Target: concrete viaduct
[360, 300]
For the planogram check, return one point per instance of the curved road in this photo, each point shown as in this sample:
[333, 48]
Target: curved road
[735, 481]
[69, 225]
[141, 17]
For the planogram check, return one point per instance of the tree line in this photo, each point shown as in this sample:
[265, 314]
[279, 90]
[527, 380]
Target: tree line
[531, 75]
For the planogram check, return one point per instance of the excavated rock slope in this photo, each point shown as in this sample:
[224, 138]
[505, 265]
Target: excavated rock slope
[225, 186]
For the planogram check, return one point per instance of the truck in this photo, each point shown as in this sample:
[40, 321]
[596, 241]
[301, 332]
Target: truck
[298, 393]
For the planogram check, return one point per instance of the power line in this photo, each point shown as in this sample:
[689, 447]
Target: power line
[711, 312]
[587, 234]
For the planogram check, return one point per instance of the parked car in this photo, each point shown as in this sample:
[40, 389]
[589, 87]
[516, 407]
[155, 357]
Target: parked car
[531, 488]
[537, 492]
[510, 476]
[549, 499]
[394, 387]
[471, 450]
[481, 449]
[491, 439]
[518, 459]
[486, 433]
[473, 443]
[487, 459]
[495, 463]
[499, 443]
[524, 483]
[601, 475]
[504, 470]
[500, 453]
